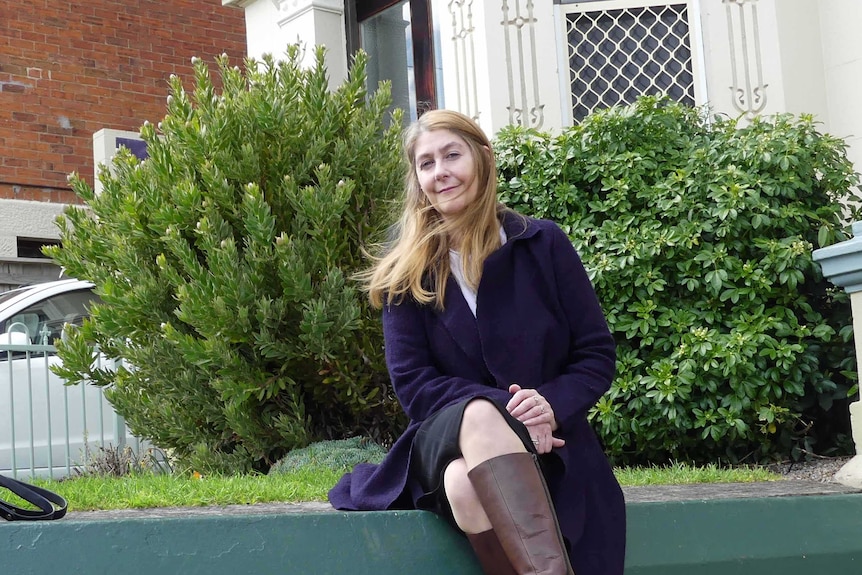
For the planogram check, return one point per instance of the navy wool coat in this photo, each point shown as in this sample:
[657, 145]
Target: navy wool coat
[539, 324]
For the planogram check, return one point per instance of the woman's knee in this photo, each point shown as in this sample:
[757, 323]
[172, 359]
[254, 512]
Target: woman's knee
[466, 507]
[481, 414]
[485, 433]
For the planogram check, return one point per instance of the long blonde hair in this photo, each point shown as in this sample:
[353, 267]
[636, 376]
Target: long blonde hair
[416, 262]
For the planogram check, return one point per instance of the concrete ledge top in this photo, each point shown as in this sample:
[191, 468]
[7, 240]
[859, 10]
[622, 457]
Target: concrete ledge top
[219, 510]
[709, 491]
[640, 494]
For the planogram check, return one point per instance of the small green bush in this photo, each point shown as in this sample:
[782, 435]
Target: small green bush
[697, 234]
[223, 261]
[339, 454]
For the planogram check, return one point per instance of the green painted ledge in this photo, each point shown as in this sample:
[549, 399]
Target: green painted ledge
[811, 535]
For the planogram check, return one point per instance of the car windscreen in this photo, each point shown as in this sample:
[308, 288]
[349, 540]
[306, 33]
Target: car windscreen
[44, 320]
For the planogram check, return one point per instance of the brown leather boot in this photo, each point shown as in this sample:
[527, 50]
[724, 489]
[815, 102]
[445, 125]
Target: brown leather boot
[513, 493]
[491, 556]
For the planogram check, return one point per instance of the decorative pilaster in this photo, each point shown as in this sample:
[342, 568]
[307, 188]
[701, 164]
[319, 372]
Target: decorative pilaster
[464, 62]
[748, 88]
[106, 142]
[519, 26]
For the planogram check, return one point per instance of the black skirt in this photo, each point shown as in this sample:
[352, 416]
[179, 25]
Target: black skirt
[436, 446]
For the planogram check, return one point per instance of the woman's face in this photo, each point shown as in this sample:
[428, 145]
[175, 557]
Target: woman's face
[446, 171]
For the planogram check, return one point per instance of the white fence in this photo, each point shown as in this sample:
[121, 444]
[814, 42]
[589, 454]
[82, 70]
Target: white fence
[48, 428]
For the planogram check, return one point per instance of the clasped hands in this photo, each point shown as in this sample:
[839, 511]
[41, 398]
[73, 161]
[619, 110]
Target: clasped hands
[534, 411]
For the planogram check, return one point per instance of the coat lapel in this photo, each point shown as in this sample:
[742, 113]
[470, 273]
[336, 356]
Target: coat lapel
[457, 317]
[460, 323]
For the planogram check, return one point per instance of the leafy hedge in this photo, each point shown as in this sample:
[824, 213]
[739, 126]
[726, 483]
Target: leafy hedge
[698, 233]
[224, 259]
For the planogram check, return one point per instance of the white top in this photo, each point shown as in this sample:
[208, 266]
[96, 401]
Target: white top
[458, 271]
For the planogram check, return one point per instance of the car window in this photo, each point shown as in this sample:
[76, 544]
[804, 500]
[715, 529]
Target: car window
[10, 294]
[44, 320]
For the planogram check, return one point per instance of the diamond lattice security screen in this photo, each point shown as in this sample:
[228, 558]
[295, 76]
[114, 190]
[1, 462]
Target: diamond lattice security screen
[616, 55]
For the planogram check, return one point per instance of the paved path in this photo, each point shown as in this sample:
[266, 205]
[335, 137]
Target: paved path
[706, 491]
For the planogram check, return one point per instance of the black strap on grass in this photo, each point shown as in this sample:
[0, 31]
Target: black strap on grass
[42, 498]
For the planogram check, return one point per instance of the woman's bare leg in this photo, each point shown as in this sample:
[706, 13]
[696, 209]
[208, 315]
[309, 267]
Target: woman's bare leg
[484, 434]
[499, 498]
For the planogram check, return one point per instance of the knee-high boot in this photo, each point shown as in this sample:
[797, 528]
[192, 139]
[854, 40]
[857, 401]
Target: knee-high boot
[490, 553]
[515, 498]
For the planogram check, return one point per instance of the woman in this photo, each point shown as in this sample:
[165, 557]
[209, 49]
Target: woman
[496, 347]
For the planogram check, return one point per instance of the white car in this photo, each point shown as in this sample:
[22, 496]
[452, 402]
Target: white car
[37, 409]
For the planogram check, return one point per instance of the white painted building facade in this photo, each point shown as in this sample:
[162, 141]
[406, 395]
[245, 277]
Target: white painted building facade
[509, 61]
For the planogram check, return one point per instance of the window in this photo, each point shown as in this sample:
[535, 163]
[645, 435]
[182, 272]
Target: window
[618, 54]
[400, 37]
[44, 320]
[137, 146]
[32, 247]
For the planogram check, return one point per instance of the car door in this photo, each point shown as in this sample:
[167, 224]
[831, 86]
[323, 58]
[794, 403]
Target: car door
[37, 409]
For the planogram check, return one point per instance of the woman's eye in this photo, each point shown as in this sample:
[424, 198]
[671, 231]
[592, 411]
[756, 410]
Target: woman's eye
[453, 155]
[425, 164]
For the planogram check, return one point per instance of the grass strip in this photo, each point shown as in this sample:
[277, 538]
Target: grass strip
[145, 491]
[683, 474]
[312, 483]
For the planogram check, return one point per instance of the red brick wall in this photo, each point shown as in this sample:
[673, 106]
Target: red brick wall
[69, 69]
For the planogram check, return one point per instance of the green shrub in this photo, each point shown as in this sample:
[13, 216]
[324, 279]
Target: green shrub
[224, 259]
[698, 237]
[339, 454]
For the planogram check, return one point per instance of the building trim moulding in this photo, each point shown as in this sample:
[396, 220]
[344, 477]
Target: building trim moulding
[238, 3]
[294, 9]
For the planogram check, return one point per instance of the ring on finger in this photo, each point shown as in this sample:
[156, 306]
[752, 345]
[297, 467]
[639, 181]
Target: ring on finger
[543, 409]
[536, 399]
[535, 442]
